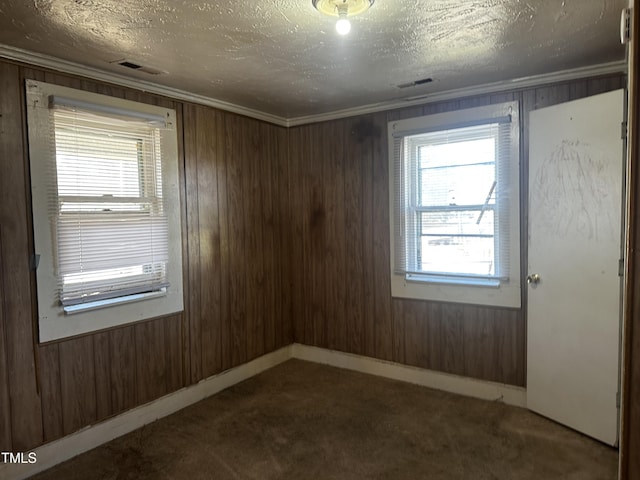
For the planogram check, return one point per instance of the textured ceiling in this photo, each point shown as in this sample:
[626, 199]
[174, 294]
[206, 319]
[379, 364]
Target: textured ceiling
[284, 58]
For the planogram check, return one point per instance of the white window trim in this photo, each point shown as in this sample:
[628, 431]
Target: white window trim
[506, 294]
[53, 322]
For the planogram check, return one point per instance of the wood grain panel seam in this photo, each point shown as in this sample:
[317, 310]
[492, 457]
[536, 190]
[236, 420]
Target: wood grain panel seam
[4, 352]
[184, 322]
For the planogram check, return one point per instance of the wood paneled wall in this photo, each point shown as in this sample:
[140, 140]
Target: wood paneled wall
[285, 238]
[233, 170]
[238, 269]
[339, 205]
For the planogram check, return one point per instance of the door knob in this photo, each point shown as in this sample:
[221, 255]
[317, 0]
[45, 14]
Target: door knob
[533, 278]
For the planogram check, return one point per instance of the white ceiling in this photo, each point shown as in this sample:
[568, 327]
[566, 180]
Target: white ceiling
[283, 58]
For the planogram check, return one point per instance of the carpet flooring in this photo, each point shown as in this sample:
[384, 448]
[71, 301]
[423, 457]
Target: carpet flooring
[301, 420]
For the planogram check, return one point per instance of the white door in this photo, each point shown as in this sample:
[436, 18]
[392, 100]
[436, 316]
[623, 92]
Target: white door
[573, 311]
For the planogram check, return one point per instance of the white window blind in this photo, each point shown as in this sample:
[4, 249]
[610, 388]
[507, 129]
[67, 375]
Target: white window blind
[105, 195]
[111, 233]
[455, 206]
[452, 201]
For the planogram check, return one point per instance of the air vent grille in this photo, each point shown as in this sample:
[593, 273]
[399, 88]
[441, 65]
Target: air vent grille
[415, 83]
[140, 68]
[132, 65]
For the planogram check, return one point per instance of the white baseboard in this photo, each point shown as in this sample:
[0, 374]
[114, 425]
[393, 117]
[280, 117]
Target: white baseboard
[93, 436]
[469, 387]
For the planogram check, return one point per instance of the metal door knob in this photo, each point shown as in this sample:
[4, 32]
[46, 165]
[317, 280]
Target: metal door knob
[533, 278]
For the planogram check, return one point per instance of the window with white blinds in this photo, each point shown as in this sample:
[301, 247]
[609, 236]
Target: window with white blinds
[111, 227]
[455, 206]
[105, 172]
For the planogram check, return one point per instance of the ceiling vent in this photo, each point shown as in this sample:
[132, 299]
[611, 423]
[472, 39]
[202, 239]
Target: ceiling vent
[415, 83]
[140, 68]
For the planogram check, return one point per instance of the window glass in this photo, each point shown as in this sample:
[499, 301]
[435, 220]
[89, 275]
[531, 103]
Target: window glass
[454, 226]
[106, 210]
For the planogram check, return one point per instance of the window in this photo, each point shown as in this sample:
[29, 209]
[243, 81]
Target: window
[455, 206]
[106, 210]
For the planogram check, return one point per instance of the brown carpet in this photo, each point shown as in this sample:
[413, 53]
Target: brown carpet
[306, 421]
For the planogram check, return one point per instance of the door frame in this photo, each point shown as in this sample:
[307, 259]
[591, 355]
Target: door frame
[630, 406]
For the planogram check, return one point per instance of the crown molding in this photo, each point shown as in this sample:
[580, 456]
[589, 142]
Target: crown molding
[502, 86]
[65, 66]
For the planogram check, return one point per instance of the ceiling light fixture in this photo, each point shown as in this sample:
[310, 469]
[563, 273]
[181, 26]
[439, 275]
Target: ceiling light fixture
[342, 9]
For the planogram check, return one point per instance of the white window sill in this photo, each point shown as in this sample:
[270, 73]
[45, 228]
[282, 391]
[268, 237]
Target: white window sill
[112, 302]
[501, 295]
[444, 280]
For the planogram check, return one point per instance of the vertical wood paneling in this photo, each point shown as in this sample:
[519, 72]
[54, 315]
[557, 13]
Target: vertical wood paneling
[286, 237]
[433, 341]
[5, 411]
[102, 354]
[509, 335]
[480, 349]
[480, 342]
[577, 89]
[386, 331]
[317, 225]
[235, 194]
[414, 332]
[550, 95]
[283, 321]
[77, 383]
[26, 424]
[334, 246]
[503, 97]
[208, 281]
[223, 221]
[308, 218]
[236, 166]
[472, 102]
[234, 170]
[369, 132]
[151, 375]
[270, 260]
[123, 369]
[50, 391]
[401, 114]
[237, 249]
[396, 340]
[185, 338]
[173, 347]
[453, 353]
[192, 282]
[254, 252]
[441, 107]
[604, 84]
[296, 218]
[354, 320]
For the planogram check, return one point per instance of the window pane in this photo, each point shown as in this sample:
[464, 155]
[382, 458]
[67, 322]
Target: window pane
[467, 222]
[457, 242]
[455, 254]
[461, 173]
[457, 153]
[110, 225]
[91, 165]
[99, 275]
